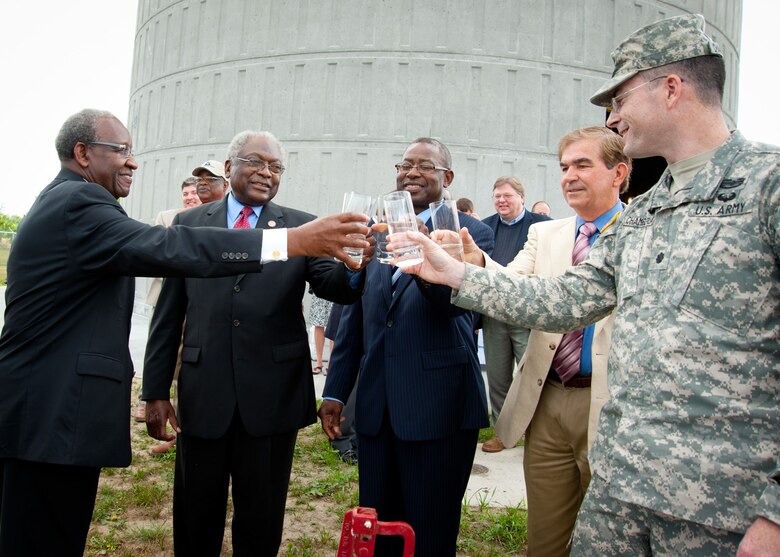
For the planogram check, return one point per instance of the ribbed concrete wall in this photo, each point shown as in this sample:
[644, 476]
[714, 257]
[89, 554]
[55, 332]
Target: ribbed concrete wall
[346, 85]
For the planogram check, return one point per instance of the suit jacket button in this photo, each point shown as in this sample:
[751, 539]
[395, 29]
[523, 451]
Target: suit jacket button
[245, 255]
[232, 255]
[553, 346]
[236, 288]
[389, 323]
[224, 255]
[539, 382]
[236, 322]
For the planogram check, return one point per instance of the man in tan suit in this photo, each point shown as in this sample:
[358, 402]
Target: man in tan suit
[559, 419]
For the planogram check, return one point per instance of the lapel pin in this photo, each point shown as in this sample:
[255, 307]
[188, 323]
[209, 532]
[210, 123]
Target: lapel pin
[272, 223]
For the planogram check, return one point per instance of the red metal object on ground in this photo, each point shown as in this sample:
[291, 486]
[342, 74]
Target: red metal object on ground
[360, 529]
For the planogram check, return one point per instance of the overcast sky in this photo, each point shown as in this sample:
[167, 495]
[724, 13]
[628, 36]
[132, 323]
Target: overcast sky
[79, 54]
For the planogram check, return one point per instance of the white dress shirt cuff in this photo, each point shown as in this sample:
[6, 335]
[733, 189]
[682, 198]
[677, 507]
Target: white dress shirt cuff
[274, 245]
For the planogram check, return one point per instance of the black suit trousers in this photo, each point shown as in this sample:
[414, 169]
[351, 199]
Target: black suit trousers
[45, 509]
[259, 468]
[419, 482]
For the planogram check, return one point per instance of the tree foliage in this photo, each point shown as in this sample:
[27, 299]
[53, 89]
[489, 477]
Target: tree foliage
[8, 223]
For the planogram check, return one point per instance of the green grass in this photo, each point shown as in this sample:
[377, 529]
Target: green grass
[158, 535]
[492, 532]
[485, 434]
[148, 495]
[109, 505]
[104, 544]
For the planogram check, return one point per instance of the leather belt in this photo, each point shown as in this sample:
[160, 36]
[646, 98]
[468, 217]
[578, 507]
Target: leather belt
[577, 382]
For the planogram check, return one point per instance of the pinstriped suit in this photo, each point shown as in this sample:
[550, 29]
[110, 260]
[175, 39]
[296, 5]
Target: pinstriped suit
[420, 399]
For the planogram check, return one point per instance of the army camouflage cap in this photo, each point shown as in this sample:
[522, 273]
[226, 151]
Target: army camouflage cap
[663, 42]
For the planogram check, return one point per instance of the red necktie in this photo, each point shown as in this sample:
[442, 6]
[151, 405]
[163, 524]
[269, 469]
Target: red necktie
[243, 220]
[566, 361]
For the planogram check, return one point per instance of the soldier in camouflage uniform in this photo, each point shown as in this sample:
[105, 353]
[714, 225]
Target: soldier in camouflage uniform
[686, 459]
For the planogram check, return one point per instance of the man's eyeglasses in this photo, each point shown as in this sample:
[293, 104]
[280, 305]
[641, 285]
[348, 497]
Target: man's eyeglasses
[210, 180]
[507, 196]
[617, 101]
[424, 167]
[120, 148]
[260, 165]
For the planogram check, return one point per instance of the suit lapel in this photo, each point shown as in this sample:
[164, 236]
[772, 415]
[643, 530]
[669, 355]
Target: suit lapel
[564, 240]
[271, 217]
[217, 215]
[401, 284]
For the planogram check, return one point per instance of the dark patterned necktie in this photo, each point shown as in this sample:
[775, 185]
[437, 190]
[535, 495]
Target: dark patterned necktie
[566, 361]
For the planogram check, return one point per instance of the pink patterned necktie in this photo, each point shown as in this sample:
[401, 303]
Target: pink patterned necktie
[566, 361]
[243, 220]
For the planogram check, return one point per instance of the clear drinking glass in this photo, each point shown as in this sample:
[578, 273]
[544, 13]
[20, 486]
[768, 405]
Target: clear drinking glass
[400, 216]
[446, 227]
[382, 230]
[358, 203]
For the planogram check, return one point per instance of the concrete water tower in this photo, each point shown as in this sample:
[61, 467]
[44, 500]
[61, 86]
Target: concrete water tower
[347, 84]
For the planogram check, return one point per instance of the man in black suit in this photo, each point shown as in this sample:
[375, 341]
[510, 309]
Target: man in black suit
[420, 398]
[65, 367]
[245, 385]
[505, 344]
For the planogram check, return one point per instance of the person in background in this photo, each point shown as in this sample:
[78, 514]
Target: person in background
[465, 205]
[319, 310]
[65, 367]
[505, 344]
[212, 182]
[346, 444]
[541, 208]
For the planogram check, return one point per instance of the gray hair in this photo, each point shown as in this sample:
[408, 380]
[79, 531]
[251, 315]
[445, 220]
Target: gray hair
[78, 128]
[241, 138]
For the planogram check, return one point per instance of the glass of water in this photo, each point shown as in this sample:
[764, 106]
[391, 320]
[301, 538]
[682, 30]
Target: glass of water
[358, 203]
[381, 231]
[446, 227]
[401, 217]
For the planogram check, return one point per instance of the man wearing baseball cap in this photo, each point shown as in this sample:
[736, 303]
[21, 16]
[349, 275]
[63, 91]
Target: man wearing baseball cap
[686, 461]
[689, 449]
[212, 183]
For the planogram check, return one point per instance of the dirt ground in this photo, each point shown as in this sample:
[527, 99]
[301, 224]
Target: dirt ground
[133, 511]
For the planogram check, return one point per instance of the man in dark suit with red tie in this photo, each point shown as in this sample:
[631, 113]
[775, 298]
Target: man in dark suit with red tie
[245, 384]
[420, 398]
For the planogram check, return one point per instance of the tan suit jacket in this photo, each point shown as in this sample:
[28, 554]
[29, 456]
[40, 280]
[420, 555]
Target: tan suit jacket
[548, 253]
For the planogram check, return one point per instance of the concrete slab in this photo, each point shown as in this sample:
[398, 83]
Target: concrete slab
[497, 479]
